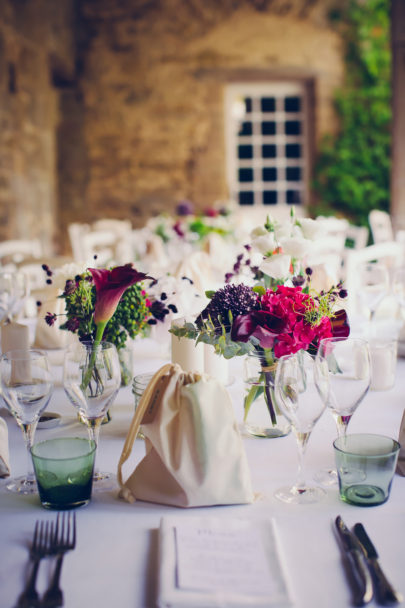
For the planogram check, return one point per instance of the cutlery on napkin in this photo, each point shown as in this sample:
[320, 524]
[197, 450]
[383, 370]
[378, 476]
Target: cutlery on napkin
[358, 572]
[386, 594]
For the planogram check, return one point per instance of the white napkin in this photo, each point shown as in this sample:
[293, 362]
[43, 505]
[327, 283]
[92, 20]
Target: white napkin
[271, 590]
[46, 336]
[197, 267]
[4, 455]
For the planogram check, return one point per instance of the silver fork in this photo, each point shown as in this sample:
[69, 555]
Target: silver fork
[29, 598]
[63, 539]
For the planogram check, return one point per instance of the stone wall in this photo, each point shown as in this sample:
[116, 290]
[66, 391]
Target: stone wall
[36, 44]
[114, 108]
[152, 85]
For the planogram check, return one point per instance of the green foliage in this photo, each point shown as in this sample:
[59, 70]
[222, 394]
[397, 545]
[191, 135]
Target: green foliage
[352, 175]
[129, 319]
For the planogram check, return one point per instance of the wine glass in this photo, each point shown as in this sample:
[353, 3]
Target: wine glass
[26, 385]
[91, 379]
[374, 285]
[347, 361]
[301, 390]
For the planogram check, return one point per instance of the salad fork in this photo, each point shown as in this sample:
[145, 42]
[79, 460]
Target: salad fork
[29, 598]
[62, 539]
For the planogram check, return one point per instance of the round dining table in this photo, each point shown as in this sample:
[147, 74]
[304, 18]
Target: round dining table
[116, 559]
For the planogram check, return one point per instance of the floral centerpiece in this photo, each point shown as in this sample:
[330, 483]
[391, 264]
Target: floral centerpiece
[102, 304]
[279, 314]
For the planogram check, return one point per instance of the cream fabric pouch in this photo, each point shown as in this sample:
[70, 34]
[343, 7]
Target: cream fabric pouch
[194, 452]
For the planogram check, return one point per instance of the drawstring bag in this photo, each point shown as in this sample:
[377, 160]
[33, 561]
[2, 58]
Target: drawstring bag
[194, 453]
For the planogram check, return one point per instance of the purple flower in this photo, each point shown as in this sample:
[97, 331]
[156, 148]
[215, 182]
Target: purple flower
[185, 208]
[50, 318]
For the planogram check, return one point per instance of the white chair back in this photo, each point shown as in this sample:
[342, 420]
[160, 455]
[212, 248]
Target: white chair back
[15, 251]
[76, 233]
[381, 226]
[390, 253]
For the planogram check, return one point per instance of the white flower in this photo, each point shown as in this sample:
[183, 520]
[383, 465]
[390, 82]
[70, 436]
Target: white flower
[258, 231]
[283, 231]
[311, 229]
[264, 243]
[276, 266]
[296, 247]
[66, 272]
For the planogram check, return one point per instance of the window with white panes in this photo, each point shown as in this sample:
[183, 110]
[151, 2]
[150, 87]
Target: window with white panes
[266, 138]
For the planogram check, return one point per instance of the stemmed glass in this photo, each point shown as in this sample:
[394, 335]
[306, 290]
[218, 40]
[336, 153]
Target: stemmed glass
[301, 390]
[26, 385]
[398, 286]
[347, 361]
[91, 379]
[374, 285]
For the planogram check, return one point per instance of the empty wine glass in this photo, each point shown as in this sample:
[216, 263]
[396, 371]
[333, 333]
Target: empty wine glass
[374, 285]
[301, 390]
[26, 385]
[91, 379]
[347, 361]
[398, 286]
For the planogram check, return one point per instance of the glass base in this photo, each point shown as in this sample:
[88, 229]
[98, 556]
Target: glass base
[300, 496]
[104, 482]
[281, 429]
[327, 477]
[22, 485]
[364, 495]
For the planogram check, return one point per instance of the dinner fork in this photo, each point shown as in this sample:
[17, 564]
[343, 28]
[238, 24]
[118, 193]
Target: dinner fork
[62, 539]
[29, 598]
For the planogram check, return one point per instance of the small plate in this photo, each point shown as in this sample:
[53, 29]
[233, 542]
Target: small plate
[49, 420]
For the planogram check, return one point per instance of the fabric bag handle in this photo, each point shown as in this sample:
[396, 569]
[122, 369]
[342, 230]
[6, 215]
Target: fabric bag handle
[168, 369]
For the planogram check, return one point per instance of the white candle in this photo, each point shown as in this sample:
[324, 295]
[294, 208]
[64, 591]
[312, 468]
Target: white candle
[185, 352]
[215, 365]
[383, 365]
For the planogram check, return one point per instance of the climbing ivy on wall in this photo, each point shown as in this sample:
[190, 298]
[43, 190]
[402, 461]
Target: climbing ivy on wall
[352, 174]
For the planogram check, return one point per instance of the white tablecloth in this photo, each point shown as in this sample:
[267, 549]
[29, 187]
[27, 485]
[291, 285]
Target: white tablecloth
[115, 562]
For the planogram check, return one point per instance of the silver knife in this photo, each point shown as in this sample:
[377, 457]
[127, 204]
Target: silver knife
[386, 594]
[360, 577]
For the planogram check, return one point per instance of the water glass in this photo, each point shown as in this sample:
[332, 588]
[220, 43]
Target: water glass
[383, 355]
[365, 465]
[64, 471]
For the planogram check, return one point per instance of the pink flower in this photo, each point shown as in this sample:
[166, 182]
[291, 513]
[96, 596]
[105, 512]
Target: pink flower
[110, 285]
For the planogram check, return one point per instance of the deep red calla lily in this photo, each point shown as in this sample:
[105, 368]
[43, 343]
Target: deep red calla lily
[110, 285]
[340, 324]
[261, 324]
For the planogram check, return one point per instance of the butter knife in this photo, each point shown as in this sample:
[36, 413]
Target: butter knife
[360, 577]
[386, 594]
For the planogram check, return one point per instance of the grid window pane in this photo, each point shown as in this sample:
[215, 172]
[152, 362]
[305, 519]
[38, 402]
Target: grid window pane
[269, 151]
[292, 104]
[270, 197]
[292, 127]
[248, 105]
[245, 151]
[246, 198]
[269, 174]
[293, 174]
[293, 197]
[293, 151]
[268, 104]
[246, 129]
[268, 127]
[245, 175]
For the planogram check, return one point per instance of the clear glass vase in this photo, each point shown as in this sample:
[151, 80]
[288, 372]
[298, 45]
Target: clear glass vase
[262, 417]
[126, 358]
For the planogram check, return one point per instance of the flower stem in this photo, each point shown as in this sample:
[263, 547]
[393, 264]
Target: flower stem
[97, 340]
[267, 396]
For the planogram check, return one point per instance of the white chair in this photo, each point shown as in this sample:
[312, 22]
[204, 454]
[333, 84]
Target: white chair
[76, 232]
[381, 226]
[390, 253]
[357, 236]
[15, 251]
[118, 227]
[99, 248]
